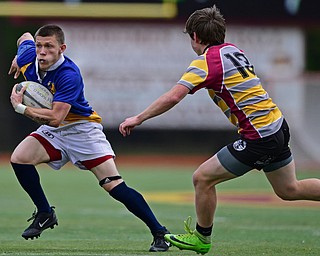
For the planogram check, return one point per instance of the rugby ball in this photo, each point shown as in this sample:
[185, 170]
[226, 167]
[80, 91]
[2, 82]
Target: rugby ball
[36, 95]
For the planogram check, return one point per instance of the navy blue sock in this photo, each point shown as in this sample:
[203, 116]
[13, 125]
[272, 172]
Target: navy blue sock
[29, 179]
[204, 231]
[136, 204]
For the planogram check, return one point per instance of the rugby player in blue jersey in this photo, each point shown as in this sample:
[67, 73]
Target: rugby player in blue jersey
[226, 73]
[70, 132]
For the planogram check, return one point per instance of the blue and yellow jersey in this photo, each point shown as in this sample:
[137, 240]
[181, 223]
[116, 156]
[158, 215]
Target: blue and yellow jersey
[232, 84]
[63, 79]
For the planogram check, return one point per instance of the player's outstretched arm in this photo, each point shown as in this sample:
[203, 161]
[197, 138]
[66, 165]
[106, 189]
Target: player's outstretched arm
[158, 107]
[14, 68]
[127, 125]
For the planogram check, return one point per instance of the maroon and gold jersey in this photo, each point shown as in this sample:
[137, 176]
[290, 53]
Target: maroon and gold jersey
[229, 77]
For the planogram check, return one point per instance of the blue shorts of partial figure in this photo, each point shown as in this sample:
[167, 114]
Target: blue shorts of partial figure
[84, 144]
[269, 153]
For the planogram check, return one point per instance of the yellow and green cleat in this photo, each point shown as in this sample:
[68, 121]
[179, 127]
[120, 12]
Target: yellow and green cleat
[192, 241]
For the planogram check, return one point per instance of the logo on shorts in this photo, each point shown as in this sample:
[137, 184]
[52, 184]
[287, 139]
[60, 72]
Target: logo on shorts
[239, 145]
[48, 134]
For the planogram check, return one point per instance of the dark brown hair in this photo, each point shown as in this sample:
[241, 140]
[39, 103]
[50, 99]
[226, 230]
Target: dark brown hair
[208, 24]
[51, 30]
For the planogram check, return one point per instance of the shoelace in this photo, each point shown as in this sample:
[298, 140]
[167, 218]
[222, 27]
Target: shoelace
[34, 215]
[187, 224]
[187, 228]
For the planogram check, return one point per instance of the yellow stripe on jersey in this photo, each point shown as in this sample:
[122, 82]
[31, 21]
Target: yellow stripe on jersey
[192, 77]
[200, 63]
[249, 93]
[224, 107]
[266, 105]
[234, 120]
[74, 118]
[263, 121]
[237, 79]
[23, 70]
[197, 72]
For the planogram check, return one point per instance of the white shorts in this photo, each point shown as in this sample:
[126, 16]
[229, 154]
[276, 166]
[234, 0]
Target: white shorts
[77, 143]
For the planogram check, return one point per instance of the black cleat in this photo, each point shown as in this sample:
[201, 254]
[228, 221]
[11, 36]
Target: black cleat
[41, 221]
[159, 244]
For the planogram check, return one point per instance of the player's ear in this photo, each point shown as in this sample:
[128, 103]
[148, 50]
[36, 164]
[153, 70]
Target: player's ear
[63, 47]
[196, 38]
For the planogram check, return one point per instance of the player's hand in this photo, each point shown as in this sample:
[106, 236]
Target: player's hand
[14, 68]
[128, 124]
[16, 97]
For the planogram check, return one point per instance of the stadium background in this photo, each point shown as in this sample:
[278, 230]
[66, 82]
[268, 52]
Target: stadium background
[132, 51]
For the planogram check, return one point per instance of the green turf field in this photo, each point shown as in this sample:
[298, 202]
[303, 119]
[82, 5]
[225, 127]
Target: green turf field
[92, 223]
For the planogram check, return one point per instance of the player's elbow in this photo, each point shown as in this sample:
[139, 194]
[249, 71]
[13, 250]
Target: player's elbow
[58, 114]
[24, 37]
[54, 124]
[175, 95]
[173, 99]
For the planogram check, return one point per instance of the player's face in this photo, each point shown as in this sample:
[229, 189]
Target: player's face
[48, 51]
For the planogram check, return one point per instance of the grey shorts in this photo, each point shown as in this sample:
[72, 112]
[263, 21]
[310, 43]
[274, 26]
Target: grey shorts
[269, 153]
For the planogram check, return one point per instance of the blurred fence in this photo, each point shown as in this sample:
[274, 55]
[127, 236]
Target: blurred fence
[128, 64]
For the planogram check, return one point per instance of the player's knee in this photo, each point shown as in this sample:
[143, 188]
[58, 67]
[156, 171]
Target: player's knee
[13, 159]
[288, 192]
[200, 178]
[197, 177]
[108, 183]
[18, 159]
